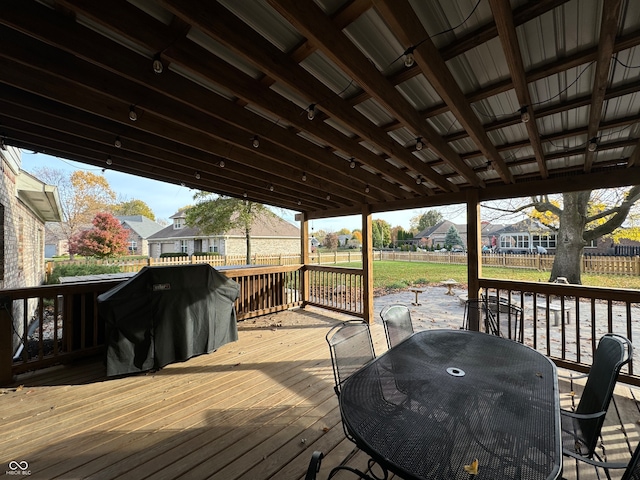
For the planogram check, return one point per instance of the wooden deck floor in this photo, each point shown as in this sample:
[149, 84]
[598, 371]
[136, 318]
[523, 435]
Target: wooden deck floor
[255, 409]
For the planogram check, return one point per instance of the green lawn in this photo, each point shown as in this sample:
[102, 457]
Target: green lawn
[395, 275]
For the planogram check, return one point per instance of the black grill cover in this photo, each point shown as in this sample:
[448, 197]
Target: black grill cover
[167, 314]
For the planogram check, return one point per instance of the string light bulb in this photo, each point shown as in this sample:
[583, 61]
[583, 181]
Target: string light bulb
[117, 143]
[299, 202]
[352, 163]
[158, 67]
[304, 177]
[328, 197]
[418, 180]
[109, 161]
[255, 141]
[221, 164]
[271, 188]
[524, 114]
[419, 144]
[133, 115]
[244, 194]
[409, 59]
[593, 144]
[311, 111]
[367, 189]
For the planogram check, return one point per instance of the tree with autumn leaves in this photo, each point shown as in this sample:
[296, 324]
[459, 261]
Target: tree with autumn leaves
[83, 195]
[107, 238]
[578, 218]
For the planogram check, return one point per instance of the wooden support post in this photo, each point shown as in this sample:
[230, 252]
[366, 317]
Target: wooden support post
[6, 345]
[305, 247]
[474, 252]
[367, 264]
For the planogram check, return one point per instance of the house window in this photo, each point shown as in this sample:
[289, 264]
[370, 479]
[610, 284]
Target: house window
[213, 248]
[184, 246]
[514, 240]
[177, 223]
[546, 241]
[133, 246]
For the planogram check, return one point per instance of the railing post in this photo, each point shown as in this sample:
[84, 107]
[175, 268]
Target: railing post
[6, 344]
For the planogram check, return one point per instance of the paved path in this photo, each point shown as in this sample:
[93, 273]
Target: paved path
[436, 309]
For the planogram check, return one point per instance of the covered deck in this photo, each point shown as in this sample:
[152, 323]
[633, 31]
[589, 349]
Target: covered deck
[255, 409]
[494, 100]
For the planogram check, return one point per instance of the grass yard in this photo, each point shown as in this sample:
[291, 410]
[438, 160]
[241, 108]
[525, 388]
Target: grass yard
[397, 275]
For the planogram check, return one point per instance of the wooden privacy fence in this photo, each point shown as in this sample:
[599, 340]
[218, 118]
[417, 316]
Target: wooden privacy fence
[590, 264]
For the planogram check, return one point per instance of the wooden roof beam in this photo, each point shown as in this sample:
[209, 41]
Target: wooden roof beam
[511, 46]
[398, 14]
[220, 24]
[610, 17]
[310, 20]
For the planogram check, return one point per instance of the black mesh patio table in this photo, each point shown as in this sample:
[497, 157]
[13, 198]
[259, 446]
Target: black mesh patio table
[443, 398]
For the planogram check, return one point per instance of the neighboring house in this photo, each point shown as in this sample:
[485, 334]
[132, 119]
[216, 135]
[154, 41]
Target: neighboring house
[55, 243]
[140, 229]
[343, 240]
[489, 234]
[270, 234]
[314, 243]
[433, 236]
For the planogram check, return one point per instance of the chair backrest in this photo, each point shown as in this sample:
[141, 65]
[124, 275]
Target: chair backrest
[397, 324]
[633, 469]
[351, 348]
[501, 317]
[508, 317]
[613, 352]
[478, 307]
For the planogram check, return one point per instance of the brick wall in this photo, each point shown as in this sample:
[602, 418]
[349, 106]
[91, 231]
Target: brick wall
[22, 238]
[262, 246]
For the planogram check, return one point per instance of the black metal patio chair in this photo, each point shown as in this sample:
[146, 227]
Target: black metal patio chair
[498, 316]
[397, 323]
[581, 428]
[316, 461]
[632, 469]
[351, 348]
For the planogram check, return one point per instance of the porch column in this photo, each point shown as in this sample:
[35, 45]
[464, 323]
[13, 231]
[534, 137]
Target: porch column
[6, 345]
[367, 265]
[304, 258]
[474, 252]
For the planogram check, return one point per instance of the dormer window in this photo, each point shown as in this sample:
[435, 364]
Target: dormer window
[177, 223]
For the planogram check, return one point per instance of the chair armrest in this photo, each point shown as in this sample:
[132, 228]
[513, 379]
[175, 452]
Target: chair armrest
[314, 466]
[582, 416]
[594, 462]
[574, 377]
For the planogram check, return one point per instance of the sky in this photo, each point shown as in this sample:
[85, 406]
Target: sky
[165, 199]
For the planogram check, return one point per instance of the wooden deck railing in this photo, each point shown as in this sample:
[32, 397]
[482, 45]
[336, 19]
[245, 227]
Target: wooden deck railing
[334, 288]
[266, 289]
[61, 322]
[565, 321]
